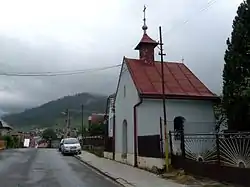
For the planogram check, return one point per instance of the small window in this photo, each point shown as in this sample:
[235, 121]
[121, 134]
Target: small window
[178, 127]
[124, 91]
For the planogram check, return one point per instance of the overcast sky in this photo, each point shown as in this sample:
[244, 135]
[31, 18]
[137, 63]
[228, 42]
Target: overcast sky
[58, 35]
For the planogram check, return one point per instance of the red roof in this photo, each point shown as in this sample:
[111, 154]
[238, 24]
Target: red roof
[146, 40]
[180, 82]
[97, 118]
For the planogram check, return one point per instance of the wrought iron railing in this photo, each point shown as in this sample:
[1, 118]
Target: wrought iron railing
[227, 149]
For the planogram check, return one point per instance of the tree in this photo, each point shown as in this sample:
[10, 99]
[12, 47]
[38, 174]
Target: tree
[9, 141]
[84, 131]
[49, 134]
[236, 72]
[96, 129]
[220, 116]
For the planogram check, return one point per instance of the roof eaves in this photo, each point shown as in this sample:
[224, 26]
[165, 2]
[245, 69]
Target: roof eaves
[5, 125]
[119, 79]
[173, 96]
[146, 40]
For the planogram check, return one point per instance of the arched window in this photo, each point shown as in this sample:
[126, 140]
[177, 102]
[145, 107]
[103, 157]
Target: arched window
[178, 126]
[124, 138]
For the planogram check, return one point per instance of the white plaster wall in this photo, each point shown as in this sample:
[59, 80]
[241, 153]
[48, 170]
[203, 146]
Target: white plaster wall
[143, 162]
[129, 160]
[149, 163]
[108, 155]
[124, 110]
[110, 126]
[111, 116]
[199, 117]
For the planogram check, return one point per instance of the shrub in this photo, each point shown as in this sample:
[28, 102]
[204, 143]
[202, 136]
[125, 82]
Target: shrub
[9, 141]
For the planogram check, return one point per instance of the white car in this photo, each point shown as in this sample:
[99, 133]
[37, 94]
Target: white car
[70, 146]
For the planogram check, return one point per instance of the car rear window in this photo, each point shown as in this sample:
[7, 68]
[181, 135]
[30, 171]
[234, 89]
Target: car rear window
[70, 141]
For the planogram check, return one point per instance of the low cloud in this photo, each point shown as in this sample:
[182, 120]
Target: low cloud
[68, 37]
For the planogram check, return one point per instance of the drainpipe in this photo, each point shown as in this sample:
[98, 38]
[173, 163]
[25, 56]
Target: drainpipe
[135, 132]
[113, 143]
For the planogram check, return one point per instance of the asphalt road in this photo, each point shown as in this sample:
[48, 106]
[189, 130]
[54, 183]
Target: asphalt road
[46, 168]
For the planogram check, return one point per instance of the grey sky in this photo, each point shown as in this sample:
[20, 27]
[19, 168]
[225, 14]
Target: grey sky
[55, 35]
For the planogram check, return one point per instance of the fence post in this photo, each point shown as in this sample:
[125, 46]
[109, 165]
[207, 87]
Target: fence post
[218, 147]
[183, 144]
[171, 143]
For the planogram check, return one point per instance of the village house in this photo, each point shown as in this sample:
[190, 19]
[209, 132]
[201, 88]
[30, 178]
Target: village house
[96, 118]
[4, 128]
[134, 111]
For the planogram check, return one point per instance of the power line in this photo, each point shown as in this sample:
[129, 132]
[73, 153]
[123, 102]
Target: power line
[75, 72]
[58, 73]
[208, 5]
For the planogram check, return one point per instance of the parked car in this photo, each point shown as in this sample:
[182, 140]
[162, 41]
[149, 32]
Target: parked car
[70, 146]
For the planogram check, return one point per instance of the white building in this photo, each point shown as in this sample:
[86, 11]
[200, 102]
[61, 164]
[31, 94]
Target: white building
[134, 124]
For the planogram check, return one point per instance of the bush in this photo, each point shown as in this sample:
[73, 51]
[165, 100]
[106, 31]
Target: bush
[49, 134]
[96, 129]
[9, 141]
[16, 141]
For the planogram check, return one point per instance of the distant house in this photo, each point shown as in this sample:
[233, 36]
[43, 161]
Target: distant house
[134, 111]
[4, 128]
[96, 118]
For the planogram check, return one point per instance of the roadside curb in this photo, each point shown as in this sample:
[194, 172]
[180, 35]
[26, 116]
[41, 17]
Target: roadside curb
[101, 172]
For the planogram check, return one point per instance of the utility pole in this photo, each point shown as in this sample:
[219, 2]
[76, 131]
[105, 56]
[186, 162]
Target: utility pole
[163, 99]
[82, 121]
[68, 123]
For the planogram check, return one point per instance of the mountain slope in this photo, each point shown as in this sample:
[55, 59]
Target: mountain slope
[50, 114]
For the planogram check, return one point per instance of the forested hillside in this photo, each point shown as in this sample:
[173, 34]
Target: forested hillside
[50, 114]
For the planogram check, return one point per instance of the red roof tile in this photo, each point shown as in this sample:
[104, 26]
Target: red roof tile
[146, 40]
[180, 82]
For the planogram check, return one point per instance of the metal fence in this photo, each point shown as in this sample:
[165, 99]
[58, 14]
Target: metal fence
[96, 141]
[94, 144]
[224, 156]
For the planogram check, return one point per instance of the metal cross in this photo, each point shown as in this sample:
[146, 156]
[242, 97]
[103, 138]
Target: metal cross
[144, 11]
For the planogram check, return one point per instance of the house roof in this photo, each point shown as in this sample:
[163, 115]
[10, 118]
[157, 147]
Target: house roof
[97, 118]
[180, 82]
[4, 125]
